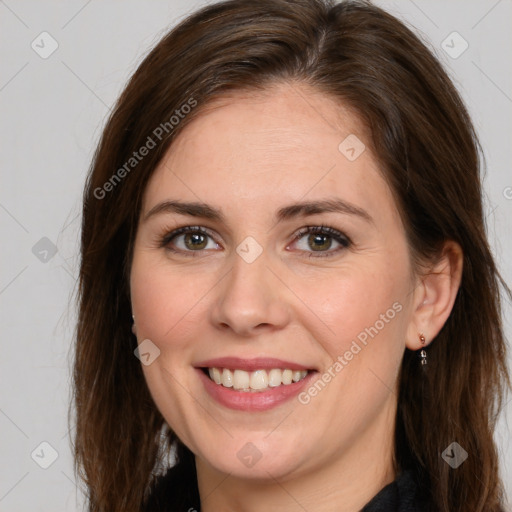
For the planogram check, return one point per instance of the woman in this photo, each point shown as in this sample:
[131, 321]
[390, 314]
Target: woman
[286, 287]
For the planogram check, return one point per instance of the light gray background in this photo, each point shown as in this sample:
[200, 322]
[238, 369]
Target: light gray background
[52, 112]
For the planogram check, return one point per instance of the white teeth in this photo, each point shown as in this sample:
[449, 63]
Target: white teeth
[215, 375]
[296, 376]
[286, 378]
[227, 378]
[241, 379]
[274, 378]
[258, 380]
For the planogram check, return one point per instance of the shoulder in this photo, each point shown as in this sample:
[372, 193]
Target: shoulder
[410, 494]
[175, 491]
[404, 494]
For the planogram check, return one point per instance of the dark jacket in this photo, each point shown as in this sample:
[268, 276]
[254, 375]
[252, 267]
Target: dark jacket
[174, 492]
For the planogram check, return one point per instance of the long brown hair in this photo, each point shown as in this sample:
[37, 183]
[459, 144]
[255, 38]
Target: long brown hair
[430, 155]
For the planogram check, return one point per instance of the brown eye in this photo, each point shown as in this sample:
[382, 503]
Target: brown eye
[194, 241]
[319, 242]
[188, 239]
[320, 239]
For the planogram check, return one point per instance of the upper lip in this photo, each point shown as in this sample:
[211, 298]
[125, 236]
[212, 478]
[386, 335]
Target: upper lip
[250, 365]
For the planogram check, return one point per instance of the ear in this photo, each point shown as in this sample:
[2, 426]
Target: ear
[435, 295]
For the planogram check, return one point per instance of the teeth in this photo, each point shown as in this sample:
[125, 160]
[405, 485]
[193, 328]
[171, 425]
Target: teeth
[241, 379]
[215, 375]
[296, 376]
[258, 380]
[274, 378]
[287, 377]
[227, 378]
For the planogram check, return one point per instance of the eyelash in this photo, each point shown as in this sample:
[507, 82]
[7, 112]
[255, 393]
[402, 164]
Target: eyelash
[339, 237]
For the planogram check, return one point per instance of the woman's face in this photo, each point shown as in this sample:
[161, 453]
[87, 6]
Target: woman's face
[250, 292]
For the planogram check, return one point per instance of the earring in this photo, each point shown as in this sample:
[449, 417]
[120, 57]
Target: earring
[423, 353]
[133, 325]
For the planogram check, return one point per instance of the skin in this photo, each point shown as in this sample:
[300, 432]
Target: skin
[248, 155]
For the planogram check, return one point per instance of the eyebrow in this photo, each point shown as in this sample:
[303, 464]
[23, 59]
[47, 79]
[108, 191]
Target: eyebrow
[301, 209]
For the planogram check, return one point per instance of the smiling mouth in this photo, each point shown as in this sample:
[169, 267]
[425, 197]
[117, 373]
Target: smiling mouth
[255, 381]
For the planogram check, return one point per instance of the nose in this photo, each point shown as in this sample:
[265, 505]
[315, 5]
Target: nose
[250, 299]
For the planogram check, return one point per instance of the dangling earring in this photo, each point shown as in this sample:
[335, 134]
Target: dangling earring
[133, 326]
[423, 353]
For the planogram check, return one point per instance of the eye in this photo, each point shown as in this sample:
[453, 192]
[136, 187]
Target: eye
[188, 239]
[320, 239]
[318, 242]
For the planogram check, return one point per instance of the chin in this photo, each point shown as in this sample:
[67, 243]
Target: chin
[257, 460]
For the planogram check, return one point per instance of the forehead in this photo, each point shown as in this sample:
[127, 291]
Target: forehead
[251, 151]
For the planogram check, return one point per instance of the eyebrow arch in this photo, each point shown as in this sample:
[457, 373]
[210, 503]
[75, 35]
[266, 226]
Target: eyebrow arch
[327, 205]
[301, 209]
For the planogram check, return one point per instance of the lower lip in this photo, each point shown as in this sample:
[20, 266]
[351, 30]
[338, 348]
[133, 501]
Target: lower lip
[253, 401]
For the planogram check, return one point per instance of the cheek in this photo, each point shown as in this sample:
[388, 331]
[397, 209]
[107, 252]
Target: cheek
[163, 299]
[366, 315]
[355, 303]
[365, 311]
[167, 307]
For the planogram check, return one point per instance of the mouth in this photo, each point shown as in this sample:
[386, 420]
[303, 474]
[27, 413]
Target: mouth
[255, 381]
[253, 385]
